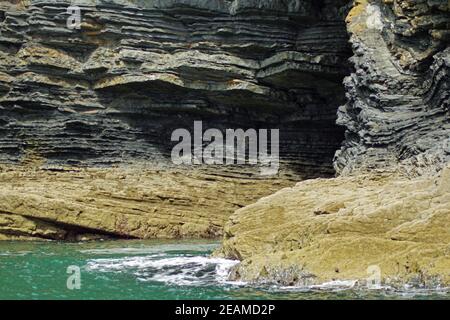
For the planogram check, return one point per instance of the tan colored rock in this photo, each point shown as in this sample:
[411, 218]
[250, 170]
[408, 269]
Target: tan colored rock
[334, 229]
[134, 202]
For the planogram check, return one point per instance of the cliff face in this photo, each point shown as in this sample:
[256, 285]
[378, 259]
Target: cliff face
[298, 236]
[398, 97]
[397, 126]
[86, 115]
[113, 91]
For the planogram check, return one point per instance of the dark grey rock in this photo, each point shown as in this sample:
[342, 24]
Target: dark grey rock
[113, 91]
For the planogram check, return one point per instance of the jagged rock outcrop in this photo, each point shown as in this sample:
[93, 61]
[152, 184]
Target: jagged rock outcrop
[108, 96]
[88, 113]
[398, 108]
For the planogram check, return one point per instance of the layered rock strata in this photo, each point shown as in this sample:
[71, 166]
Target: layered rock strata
[389, 212]
[131, 202]
[114, 90]
[108, 96]
[86, 118]
[398, 98]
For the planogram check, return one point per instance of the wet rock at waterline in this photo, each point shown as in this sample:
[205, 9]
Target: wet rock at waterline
[338, 229]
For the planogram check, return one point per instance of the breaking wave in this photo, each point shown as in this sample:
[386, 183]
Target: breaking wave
[180, 270]
[189, 265]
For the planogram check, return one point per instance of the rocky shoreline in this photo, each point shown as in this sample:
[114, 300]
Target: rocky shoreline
[390, 208]
[324, 230]
[86, 117]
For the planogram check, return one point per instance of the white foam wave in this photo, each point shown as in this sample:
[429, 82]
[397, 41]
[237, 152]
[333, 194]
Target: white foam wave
[342, 285]
[336, 285]
[184, 270]
[191, 270]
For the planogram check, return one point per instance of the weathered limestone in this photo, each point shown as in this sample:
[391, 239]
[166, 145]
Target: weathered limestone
[131, 202]
[334, 229]
[111, 93]
[86, 117]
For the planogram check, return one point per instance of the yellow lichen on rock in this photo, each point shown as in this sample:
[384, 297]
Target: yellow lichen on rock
[353, 18]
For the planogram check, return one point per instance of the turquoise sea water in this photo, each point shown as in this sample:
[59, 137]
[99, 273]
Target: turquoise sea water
[148, 270]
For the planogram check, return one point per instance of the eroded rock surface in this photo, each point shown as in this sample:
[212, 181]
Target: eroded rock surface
[88, 115]
[131, 202]
[390, 209]
[112, 92]
[398, 98]
[335, 229]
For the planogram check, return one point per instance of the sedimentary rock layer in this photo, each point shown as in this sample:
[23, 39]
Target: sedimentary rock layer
[398, 98]
[111, 93]
[114, 90]
[397, 126]
[131, 202]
